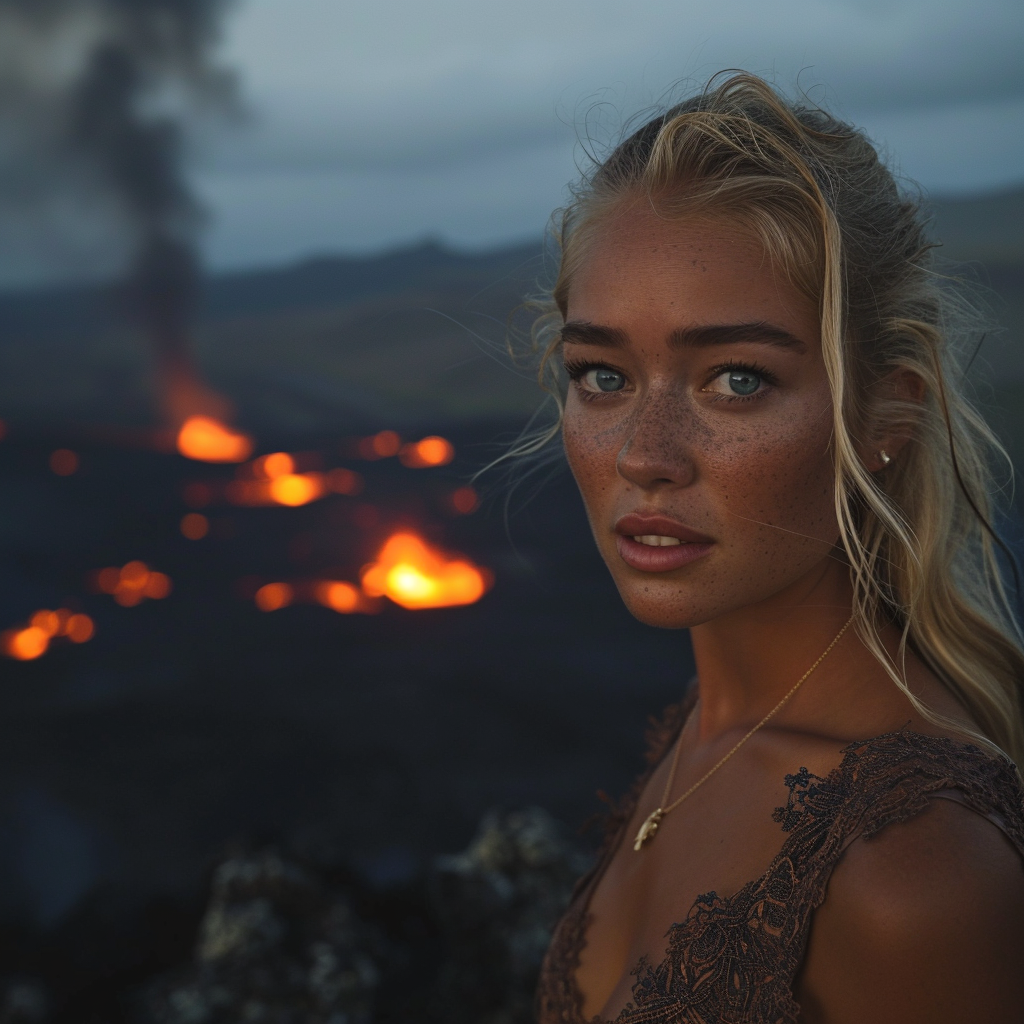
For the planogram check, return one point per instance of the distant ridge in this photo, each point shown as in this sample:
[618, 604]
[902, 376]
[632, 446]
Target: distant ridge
[336, 280]
[314, 282]
[988, 228]
[411, 338]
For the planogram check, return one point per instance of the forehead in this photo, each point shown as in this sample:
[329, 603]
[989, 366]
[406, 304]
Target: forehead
[638, 266]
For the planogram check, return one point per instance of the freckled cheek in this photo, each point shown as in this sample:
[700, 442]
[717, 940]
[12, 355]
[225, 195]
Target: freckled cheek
[592, 454]
[775, 478]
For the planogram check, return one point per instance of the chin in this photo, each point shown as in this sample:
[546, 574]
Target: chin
[668, 609]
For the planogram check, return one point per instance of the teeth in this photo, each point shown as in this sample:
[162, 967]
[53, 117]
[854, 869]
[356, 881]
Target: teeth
[654, 541]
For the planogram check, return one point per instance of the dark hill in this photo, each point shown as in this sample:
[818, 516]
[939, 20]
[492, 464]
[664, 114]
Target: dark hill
[413, 338]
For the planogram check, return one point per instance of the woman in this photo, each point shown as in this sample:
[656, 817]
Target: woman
[763, 419]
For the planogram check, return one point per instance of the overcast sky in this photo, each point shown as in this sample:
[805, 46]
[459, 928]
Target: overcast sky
[375, 123]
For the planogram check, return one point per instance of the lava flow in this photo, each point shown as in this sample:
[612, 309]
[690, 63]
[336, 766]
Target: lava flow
[274, 480]
[414, 575]
[431, 451]
[132, 583]
[33, 640]
[208, 440]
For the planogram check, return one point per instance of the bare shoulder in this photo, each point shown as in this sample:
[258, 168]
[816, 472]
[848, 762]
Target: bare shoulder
[922, 922]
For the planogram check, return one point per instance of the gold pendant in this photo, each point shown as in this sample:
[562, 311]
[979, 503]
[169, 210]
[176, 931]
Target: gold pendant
[648, 828]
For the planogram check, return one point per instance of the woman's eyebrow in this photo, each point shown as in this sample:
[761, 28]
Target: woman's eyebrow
[582, 332]
[761, 332]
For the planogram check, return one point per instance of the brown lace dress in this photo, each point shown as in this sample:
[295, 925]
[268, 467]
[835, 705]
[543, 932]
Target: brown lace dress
[734, 960]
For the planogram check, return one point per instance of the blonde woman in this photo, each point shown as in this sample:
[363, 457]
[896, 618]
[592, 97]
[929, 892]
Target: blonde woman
[761, 409]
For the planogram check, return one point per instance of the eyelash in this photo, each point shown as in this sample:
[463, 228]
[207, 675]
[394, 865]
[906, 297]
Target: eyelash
[578, 369]
[767, 377]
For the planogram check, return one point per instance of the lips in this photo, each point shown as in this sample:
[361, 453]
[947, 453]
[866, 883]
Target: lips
[664, 544]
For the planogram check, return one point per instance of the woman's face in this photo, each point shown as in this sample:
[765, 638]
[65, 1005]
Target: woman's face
[698, 420]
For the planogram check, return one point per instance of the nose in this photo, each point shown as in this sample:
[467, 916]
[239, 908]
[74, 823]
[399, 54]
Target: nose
[658, 449]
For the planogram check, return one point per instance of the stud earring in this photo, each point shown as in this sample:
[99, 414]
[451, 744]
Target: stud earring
[885, 457]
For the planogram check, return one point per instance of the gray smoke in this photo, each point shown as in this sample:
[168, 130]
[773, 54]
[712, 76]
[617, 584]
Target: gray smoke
[94, 99]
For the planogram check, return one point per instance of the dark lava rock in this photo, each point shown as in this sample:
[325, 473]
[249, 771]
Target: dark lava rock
[283, 943]
[276, 946]
[497, 903]
[23, 1001]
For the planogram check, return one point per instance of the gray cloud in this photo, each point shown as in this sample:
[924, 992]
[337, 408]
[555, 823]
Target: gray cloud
[373, 123]
[406, 84]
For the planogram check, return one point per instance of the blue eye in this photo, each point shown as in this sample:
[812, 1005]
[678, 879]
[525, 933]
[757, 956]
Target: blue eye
[603, 379]
[743, 382]
[736, 382]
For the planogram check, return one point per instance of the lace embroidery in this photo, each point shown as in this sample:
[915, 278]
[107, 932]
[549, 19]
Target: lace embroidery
[733, 960]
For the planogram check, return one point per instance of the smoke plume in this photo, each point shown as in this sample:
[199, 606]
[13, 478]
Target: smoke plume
[94, 98]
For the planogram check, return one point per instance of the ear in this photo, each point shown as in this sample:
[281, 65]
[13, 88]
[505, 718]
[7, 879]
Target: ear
[897, 400]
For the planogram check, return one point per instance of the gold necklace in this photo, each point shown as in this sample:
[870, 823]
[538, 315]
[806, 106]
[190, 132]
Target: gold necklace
[653, 820]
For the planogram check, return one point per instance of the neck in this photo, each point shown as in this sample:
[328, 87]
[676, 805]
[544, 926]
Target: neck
[748, 659]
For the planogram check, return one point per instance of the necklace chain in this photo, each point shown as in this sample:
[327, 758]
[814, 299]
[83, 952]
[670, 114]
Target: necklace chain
[653, 820]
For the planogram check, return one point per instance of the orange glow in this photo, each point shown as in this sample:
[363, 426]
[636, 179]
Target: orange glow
[133, 583]
[273, 596]
[197, 495]
[79, 629]
[342, 597]
[247, 492]
[465, 500]
[415, 575]
[275, 465]
[25, 644]
[194, 526]
[292, 489]
[33, 640]
[380, 446]
[49, 622]
[64, 462]
[431, 451]
[295, 489]
[107, 580]
[344, 481]
[134, 575]
[209, 440]
[158, 586]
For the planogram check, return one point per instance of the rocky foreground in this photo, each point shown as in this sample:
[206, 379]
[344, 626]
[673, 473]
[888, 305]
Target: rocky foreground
[283, 942]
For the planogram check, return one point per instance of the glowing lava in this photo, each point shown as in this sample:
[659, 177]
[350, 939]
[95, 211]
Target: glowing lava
[133, 583]
[431, 451]
[208, 440]
[465, 500]
[272, 596]
[341, 596]
[380, 446]
[194, 525]
[274, 480]
[296, 489]
[415, 575]
[33, 640]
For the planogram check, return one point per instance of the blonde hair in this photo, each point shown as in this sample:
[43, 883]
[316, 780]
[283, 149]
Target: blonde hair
[918, 535]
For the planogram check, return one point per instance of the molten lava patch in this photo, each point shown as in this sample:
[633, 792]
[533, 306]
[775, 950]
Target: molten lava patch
[414, 575]
[132, 583]
[33, 640]
[431, 451]
[208, 440]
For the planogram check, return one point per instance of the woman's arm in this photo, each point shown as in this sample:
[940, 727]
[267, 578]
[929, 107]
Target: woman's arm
[923, 924]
